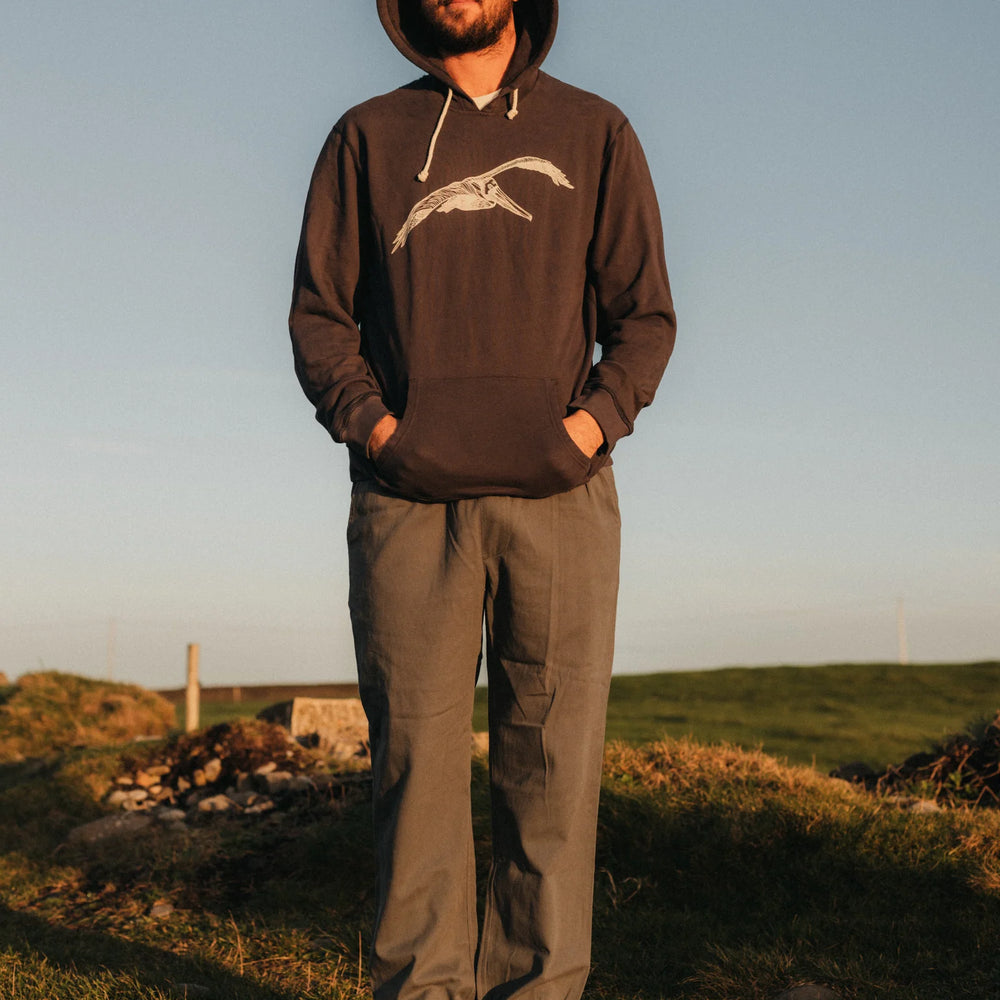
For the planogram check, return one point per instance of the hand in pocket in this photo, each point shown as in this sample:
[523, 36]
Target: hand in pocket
[380, 435]
[585, 431]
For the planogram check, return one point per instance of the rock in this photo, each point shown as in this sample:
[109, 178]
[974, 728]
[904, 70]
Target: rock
[264, 805]
[212, 770]
[808, 992]
[183, 784]
[161, 909]
[117, 798]
[910, 803]
[266, 768]
[242, 799]
[170, 815]
[275, 781]
[158, 771]
[116, 825]
[322, 944]
[215, 803]
[199, 778]
[144, 779]
[857, 773]
[133, 797]
[338, 726]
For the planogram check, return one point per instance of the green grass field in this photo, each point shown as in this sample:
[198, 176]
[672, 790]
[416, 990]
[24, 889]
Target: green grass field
[830, 715]
[827, 715]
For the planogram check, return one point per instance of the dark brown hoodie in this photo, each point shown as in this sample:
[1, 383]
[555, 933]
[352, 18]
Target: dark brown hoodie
[457, 268]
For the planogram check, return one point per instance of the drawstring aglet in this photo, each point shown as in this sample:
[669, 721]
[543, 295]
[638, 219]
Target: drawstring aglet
[426, 170]
[512, 113]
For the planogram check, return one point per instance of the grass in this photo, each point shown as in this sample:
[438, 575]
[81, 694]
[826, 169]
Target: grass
[213, 712]
[722, 875]
[830, 715]
[757, 875]
[52, 711]
[826, 715]
[722, 872]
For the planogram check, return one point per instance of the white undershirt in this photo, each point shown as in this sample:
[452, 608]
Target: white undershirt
[481, 102]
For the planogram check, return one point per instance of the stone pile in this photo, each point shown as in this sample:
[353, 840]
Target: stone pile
[240, 768]
[964, 770]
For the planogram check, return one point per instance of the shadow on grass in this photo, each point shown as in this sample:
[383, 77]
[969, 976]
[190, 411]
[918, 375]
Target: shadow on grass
[64, 952]
[719, 901]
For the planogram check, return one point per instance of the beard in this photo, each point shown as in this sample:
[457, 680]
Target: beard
[454, 35]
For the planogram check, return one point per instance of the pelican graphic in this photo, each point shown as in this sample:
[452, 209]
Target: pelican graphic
[475, 193]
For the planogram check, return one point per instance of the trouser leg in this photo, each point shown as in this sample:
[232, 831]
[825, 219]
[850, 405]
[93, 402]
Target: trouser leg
[551, 600]
[416, 607]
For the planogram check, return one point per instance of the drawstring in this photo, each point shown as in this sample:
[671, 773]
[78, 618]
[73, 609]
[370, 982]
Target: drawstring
[426, 172]
[512, 99]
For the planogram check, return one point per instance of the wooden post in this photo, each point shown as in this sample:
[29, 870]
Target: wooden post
[193, 689]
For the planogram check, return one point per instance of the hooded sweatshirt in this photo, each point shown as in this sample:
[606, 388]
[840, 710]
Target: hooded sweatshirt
[480, 274]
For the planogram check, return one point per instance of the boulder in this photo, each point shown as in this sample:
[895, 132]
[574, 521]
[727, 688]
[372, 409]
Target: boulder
[115, 825]
[215, 803]
[337, 725]
[808, 992]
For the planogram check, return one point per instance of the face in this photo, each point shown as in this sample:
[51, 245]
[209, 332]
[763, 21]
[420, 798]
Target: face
[460, 26]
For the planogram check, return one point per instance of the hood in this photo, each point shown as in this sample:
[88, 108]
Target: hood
[536, 29]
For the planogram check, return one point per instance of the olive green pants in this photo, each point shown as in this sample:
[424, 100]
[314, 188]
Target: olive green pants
[545, 574]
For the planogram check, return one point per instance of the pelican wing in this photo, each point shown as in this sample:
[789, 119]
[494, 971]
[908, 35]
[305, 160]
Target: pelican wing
[534, 163]
[434, 201]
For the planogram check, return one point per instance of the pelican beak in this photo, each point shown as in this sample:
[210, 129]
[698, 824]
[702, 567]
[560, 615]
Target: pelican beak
[505, 201]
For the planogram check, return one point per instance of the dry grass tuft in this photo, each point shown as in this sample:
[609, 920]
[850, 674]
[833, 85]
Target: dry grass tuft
[687, 766]
[51, 711]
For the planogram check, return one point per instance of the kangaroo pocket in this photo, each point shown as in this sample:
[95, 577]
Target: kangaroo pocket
[470, 437]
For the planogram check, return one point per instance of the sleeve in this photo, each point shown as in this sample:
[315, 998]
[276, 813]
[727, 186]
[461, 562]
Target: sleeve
[636, 325]
[326, 339]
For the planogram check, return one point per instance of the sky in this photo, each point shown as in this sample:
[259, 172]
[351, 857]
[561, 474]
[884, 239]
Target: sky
[822, 460]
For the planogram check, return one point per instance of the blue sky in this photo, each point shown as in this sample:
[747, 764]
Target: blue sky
[824, 443]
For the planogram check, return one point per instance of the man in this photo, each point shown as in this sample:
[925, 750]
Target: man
[468, 240]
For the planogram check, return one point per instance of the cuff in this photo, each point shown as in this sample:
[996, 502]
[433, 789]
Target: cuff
[362, 421]
[600, 404]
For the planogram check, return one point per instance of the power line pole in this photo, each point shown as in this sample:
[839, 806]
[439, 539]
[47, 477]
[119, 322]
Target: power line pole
[111, 649]
[904, 656]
